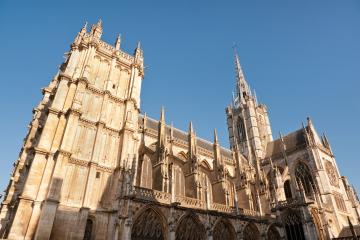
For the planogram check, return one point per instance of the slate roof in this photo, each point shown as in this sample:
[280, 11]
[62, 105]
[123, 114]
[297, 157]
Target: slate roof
[179, 134]
[292, 140]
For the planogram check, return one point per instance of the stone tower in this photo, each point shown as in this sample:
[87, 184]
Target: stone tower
[82, 136]
[248, 122]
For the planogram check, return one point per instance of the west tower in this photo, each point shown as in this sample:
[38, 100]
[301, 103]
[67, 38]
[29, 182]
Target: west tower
[82, 137]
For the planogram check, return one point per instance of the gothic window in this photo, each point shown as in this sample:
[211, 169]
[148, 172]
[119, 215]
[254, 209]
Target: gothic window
[224, 230]
[340, 203]
[88, 229]
[190, 228]
[148, 226]
[146, 173]
[293, 225]
[304, 179]
[251, 232]
[241, 130]
[179, 181]
[206, 191]
[229, 191]
[272, 233]
[287, 189]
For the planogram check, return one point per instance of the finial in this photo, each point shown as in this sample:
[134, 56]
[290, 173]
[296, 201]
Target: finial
[162, 115]
[309, 122]
[99, 23]
[118, 42]
[255, 98]
[138, 45]
[216, 140]
[83, 29]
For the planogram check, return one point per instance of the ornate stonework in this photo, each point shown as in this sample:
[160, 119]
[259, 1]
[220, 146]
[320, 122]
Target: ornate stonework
[93, 167]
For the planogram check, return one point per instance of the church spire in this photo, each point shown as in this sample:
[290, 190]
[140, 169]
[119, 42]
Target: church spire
[242, 86]
[118, 42]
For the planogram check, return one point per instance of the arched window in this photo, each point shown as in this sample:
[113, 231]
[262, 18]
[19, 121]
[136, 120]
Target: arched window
[293, 225]
[272, 233]
[287, 189]
[229, 191]
[224, 230]
[179, 181]
[206, 190]
[190, 228]
[148, 225]
[241, 130]
[304, 179]
[88, 229]
[146, 173]
[251, 232]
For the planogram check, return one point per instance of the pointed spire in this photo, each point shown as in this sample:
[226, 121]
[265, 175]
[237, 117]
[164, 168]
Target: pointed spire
[138, 46]
[145, 120]
[118, 42]
[162, 115]
[242, 85]
[191, 129]
[84, 28]
[216, 140]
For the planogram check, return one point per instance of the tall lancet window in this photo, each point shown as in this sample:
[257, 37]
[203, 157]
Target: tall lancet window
[241, 130]
[179, 181]
[304, 179]
[146, 173]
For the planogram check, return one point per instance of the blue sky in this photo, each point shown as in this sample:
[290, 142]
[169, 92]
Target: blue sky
[302, 57]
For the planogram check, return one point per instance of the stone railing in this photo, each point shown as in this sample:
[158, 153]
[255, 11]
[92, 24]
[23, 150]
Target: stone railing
[187, 202]
[248, 212]
[190, 202]
[221, 208]
[152, 195]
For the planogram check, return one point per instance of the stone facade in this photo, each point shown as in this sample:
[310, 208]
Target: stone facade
[93, 167]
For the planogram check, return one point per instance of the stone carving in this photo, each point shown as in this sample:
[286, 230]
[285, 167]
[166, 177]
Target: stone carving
[332, 174]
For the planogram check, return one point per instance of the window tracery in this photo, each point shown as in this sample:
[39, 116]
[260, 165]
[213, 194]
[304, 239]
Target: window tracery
[148, 226]
[272, 233]
[251, 232]
[223, 230]
[304, 179]
[190, 228]
[146, 173]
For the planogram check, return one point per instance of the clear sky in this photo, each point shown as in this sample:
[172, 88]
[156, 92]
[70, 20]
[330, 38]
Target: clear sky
[302, 57]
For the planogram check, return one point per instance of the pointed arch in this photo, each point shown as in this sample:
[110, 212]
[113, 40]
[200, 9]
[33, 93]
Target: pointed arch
[293, 225]
[149, 225]
[223, 229]
[182, 155]
[273, 233]
[317, 223]
[146, 178]
[206, 187]
[205, 164]
[190, 228]
[304, 179]
[178, 179]
[229, 193]
[251, 232]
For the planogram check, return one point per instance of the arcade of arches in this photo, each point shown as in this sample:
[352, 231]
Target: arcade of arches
[151, 225]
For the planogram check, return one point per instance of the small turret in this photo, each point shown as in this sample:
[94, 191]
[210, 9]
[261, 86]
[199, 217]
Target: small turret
[96, 30]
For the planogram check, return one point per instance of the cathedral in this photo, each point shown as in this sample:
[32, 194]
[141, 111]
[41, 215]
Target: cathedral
[93, 166]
